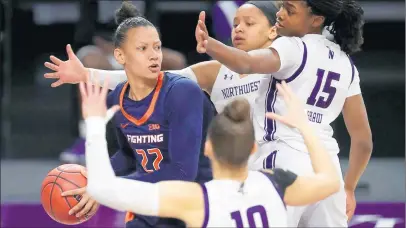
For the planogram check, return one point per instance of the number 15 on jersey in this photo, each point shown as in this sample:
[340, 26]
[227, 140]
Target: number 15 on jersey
[318, 100]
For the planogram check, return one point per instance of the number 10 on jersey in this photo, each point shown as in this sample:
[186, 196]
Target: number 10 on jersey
[329, 89]
[259, 211]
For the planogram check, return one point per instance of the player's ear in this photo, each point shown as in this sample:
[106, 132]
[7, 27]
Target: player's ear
[254, 148]
[119, 55]
[272, 33]
[208, 149]
[318, 21]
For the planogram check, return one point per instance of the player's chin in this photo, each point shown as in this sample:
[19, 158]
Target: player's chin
[153, 72]
[240, 46]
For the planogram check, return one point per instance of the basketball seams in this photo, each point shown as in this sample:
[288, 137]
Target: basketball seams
[63, 178]
[68, 171]
[51, 193]
[60, 187]
[52, 179]
[67, 167]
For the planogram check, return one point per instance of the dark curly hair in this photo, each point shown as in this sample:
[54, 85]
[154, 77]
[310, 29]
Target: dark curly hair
[345, 21]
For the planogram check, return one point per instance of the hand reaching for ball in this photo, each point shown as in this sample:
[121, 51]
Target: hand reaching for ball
[87, 206]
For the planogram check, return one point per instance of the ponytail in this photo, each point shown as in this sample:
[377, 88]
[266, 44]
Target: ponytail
[347, 27]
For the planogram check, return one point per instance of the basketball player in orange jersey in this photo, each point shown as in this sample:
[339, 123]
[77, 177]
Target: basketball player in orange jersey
[160, 126]
[100, 55]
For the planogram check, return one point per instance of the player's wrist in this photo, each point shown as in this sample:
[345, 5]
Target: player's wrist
[209, 45]
[349, 187]
[88, 75]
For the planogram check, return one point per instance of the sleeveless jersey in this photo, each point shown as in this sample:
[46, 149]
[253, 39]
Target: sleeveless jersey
[319, 73]
[254, 203]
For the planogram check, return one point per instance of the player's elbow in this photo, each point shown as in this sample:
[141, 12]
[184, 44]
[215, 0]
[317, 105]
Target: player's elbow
[245, 65]
[186, 172]
[362, 142]
[190, 174]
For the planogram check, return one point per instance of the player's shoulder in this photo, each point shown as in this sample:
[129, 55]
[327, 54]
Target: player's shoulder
[290, 45]
[288, 40]
[114, 96]
[120, 86]
[178, 82]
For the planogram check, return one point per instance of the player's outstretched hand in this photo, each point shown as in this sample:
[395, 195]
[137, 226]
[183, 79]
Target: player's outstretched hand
[86, 206]
[295, 116]
[201, 33]
[94, 101]
[70, 71]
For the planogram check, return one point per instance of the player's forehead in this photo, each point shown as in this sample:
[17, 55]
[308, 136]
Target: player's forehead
[247, 11]
[294, 5]
[143, 34]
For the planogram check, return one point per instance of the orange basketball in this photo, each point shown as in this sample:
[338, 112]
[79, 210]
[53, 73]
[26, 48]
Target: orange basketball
[61, 179]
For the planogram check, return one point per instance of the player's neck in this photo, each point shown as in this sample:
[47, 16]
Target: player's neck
[230, 174]
[140, 88]
[267, 44]
[317, 31]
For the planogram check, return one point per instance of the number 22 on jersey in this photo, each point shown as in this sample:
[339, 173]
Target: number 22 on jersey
[258, 210]
[328, 88]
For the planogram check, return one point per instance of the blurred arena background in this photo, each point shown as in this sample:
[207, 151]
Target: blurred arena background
[38, 122]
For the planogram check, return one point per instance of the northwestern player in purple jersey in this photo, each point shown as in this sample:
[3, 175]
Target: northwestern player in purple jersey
[161, 127]
[323, 75]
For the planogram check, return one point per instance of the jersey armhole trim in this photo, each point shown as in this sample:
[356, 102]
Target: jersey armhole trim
[206, 206]
[222, 69]
[301, 67]
[280, 192]
[352, 70]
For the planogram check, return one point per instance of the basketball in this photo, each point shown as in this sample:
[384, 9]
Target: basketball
[62, 178]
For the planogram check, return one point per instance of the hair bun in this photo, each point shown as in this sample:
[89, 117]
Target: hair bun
[127, 10]
[238, 110]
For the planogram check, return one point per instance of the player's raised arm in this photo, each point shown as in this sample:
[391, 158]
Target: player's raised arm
[259, 61]
[204, 73]
[72, 71]
[302, 190]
